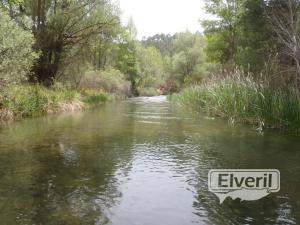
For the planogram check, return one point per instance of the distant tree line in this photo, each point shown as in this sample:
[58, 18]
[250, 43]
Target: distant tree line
[84, 44]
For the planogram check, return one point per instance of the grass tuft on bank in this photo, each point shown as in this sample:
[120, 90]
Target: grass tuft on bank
[34, 100]
[243, 100]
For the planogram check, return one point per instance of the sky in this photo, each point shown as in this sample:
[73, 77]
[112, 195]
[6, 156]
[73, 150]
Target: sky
[163, 16]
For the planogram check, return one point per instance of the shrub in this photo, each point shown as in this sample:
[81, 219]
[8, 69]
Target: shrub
[111, 81]
[16, 54]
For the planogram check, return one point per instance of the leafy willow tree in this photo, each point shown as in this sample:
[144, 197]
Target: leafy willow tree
[60, 25]
[16, 54]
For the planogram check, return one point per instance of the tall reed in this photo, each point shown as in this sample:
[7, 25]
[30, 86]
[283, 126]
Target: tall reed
[241, 99]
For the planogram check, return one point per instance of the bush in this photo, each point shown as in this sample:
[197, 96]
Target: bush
[16, 54]
[111, 81]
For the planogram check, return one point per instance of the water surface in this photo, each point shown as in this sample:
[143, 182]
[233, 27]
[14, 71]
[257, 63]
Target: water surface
[143, 161]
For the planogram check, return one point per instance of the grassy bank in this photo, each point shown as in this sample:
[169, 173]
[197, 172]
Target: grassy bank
[19, 101]
[241, 99]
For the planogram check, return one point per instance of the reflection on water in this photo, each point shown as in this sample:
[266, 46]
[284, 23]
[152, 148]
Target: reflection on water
[142, 161]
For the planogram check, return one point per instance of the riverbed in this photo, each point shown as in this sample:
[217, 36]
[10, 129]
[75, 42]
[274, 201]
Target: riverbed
[143, 161]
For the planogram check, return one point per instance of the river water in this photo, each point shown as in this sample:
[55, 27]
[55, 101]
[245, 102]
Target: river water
[143, 161]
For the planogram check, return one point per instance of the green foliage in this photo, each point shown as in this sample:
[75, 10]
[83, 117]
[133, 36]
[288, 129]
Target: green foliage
[255, 44]
[16, 54]
[92, 97]
[162, 42]
[151, 74]
[31, 100]
[26, 100]
[34, 100]
[126, 61]
[241, 99]
[132, 30]
[240, 35]
[217, 48]
[61, 27]
[188, 61]
[167, 63]
[110, 80]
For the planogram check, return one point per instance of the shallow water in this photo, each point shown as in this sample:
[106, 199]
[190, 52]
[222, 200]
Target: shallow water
[143, 161]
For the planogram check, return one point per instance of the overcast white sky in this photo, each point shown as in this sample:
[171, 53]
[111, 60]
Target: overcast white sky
[163, 16]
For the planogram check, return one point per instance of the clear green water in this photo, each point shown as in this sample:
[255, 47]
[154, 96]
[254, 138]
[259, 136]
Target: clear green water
[138, 162]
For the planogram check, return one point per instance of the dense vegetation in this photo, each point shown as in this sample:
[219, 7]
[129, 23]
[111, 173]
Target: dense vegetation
[79, 46]
[82, 47]
[242, 99]
[254, 48]
[245, 66]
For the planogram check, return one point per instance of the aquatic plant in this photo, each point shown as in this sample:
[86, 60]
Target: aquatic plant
[242, 99]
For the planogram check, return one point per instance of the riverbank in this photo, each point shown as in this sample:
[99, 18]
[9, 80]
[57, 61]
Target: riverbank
[242, 100]
[20, 101]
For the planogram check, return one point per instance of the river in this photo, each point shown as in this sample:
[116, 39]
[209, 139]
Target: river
[143, 161]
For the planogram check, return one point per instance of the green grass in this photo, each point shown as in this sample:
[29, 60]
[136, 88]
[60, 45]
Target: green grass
[91, 97]
[33, 100]
[241, 99]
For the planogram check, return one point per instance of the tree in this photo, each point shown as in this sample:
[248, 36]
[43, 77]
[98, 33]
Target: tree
[188, 58]
[61, 25]
[255, 42]
[240, 35]
[162, 42]
[16, 54]
[132, 30]
[284, 18]
[126, 60]
[182, 59]
[151, 69]
[222, 32]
